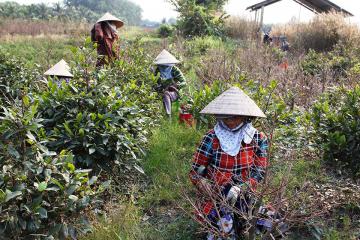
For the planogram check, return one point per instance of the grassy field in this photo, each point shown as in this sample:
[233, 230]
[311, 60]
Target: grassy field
[45, 50]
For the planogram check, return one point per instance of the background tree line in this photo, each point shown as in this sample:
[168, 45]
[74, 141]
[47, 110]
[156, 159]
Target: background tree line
[84, 10]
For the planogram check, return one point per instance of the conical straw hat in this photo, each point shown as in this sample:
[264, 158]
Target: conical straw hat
[111, 18]
[165, 58]
[233, 102]
[60, 69]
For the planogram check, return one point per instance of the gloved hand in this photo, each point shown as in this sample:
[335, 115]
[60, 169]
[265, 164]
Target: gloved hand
[233, 195]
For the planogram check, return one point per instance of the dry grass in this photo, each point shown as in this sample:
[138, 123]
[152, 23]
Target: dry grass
[264, 64]
[41, 27]
[320, 34]
[240, 28]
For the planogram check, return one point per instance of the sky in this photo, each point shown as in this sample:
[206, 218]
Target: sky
[280, 12]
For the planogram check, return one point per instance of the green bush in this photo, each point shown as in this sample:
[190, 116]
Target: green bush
[165, 30]
[55, 141]
[105, 124]
[313, 63]
[336, 121]
[41, 192]
[200, 18]
[16, 79]
[200, 45]
[100, 127]
[203, 97]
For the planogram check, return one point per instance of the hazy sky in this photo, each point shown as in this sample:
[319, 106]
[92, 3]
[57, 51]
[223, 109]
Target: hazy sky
[280, 12]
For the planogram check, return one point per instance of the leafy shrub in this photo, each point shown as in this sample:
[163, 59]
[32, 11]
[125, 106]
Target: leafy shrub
[201, 45]
[336, 121]
[313, 63]
[15, 78]
[338, 62]
[200, 18]
[49, 139]
[102, 127]
[203, 97]
[165, 30]
[41, 192]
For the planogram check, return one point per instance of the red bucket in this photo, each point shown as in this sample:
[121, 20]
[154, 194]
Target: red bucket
[186, 118]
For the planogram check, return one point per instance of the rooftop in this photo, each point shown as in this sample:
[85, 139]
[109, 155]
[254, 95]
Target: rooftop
[316, 6]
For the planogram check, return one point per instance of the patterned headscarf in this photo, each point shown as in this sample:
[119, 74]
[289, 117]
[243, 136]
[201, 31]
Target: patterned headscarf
[230, 139]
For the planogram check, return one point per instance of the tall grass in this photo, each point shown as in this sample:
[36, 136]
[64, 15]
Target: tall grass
[169, 160]
[42, 27]
[240, 28]
[321, 33]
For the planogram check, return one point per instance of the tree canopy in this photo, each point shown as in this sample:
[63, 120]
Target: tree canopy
[88, 10]
[200, 17]
[125, 9]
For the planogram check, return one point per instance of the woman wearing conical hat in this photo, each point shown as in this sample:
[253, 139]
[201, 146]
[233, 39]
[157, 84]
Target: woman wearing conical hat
[105, 33]
[60, 72]
[230, 155]
[170, 80]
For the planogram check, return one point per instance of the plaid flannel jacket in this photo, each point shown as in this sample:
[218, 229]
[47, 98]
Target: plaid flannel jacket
[248, 165]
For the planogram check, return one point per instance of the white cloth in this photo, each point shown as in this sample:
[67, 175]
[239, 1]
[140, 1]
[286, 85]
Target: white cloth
[230, 139]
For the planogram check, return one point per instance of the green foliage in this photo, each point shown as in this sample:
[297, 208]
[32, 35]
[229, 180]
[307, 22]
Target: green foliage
[99, 127]
[88, 10]
[203, 97]
[200, 45]
[341, 62]
[336, 121]
[104, 122]
[168, 161]
[41, 192]
[199, 18]
[165, 30]
[313, 63]
[127, 10]
[55, 140]
[15, 79]
[167, 165]
[42, 11]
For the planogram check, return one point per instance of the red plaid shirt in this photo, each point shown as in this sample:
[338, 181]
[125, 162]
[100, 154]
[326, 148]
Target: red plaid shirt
[248, 165]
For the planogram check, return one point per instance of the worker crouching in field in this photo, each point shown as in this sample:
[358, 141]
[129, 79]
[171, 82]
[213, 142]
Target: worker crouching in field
[105, 33]
[171, 79]
[231, 155]
[60, 72]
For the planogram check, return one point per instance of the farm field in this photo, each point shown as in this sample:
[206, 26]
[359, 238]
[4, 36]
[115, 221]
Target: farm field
[98, 158]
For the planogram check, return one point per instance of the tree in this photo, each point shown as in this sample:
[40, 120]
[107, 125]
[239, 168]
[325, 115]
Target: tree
[124, 9]
[200, 17]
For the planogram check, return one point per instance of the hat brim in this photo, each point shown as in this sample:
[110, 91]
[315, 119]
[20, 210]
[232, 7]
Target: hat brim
[117, 23]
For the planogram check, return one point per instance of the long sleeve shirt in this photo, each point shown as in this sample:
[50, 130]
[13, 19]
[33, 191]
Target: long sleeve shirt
[177, 79]
[105, 39]
[248, 165]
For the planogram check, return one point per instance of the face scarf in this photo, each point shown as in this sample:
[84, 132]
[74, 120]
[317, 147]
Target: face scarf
[231, 139]
[165, 71]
